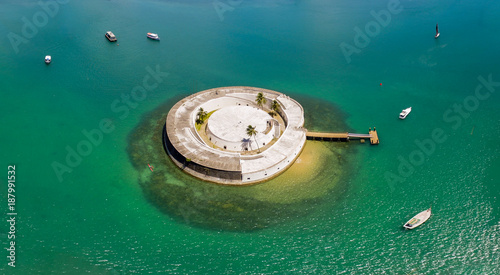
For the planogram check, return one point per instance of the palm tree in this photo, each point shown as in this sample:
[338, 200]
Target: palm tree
[275, 106]
[201, 116]
[260, 99]
[252, 132]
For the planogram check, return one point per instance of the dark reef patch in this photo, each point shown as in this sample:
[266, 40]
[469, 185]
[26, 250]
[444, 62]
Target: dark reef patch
[235, 208]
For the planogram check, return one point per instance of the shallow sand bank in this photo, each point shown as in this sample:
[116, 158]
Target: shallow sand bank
[303, 180]
[295, 193]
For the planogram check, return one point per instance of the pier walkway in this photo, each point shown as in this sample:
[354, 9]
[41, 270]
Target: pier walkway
[372, 135]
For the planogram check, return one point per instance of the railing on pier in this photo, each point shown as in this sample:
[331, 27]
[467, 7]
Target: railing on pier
[372, 135]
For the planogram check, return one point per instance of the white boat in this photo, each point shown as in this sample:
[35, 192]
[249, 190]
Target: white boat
[437, 31]
[48, 59]
[153, 36]
[404, 113]
[418, 220]
[110, 36]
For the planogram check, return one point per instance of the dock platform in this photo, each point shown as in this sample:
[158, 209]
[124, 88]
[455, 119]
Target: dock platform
[372, 135]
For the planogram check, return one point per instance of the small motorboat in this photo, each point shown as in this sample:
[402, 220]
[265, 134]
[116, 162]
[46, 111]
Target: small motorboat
[111, 36]
[437, 31]
[153, 36]
[150, 167]
[404, 113]
[418, 220]
[48, 59]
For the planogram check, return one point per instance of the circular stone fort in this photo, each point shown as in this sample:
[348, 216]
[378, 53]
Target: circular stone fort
[224, 136]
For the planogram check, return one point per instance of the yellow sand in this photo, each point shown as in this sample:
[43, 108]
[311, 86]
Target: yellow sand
[306, 178]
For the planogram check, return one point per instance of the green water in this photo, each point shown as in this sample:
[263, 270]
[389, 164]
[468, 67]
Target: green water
[98, 218]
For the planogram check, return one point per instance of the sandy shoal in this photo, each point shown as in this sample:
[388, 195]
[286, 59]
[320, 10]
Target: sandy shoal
[309, 177]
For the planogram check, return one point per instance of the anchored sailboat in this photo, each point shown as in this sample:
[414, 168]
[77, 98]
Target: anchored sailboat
[437, 31]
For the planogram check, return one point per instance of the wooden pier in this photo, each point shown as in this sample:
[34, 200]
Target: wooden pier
[372, 135]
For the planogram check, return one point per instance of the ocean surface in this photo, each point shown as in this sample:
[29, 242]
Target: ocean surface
[67, 128]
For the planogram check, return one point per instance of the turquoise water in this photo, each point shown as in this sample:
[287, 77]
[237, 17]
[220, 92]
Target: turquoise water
[96, 218]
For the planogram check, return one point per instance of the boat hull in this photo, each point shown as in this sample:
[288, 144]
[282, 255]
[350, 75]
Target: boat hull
[153, 36]
[404, 113]
[110, 36]
[418, 219]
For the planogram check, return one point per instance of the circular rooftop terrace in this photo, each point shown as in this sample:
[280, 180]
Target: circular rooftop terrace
[230, 123]
[220, 150]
